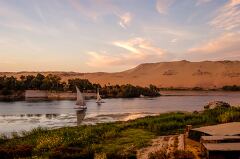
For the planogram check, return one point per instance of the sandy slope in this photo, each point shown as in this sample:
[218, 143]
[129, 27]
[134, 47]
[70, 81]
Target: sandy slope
[180, 74]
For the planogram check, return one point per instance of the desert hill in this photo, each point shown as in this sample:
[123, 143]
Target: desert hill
[178, 74]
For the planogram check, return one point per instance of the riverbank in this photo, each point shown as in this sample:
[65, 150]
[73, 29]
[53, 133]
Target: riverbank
[14, 96]
[109, 140]
[53, 95]
[43, 95]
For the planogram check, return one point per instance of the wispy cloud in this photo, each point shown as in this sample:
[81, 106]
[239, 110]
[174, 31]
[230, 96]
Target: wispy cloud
[174, 40]
[200, 2]
[125, 20]
[163, 5]
[136, 50]
[92, 9]
[15, 19]
[228, 17]
[102, 59]
[95, 10]
[172, 31]
[140, 47]
[226, 45]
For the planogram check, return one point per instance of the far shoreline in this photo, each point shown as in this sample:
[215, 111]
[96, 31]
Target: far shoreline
[66, 95]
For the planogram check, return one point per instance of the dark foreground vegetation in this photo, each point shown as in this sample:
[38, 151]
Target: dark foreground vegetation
[110, 140]
[10, 85]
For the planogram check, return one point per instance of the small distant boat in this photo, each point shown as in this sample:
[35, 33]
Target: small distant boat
[141, 96]
[81, 104]
[99, 99]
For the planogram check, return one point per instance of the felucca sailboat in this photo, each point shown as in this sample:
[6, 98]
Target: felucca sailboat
[99, 99]
[81, 104]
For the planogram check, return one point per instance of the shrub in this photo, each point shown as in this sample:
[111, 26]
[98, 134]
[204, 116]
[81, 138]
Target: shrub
[3, 138]
[229, 116]
[72, 153]
[121, 155]
[180, 154]
[19, 151]
[231, 88]
[160, 154]
[6, 91]
[48, 142]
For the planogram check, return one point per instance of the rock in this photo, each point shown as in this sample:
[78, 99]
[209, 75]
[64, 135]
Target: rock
[217, 104]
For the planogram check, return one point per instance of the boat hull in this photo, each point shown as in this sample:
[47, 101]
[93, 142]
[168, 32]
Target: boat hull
[100, 102]
[80, 107]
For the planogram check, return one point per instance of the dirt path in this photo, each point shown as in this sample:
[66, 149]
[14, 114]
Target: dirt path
[163, 143]
[193, 146]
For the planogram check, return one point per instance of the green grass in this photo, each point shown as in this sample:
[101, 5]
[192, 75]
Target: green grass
[109, 140]
[128, 138]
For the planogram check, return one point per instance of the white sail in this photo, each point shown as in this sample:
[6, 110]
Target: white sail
[80, 98]
[99, 99]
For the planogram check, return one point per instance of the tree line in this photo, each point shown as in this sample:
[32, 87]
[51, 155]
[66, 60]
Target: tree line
[54, 83]
[231, 88]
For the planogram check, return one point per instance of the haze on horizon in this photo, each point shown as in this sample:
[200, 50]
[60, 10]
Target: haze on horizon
[114, 35]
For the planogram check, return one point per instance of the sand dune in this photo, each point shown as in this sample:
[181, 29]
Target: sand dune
[179, 74]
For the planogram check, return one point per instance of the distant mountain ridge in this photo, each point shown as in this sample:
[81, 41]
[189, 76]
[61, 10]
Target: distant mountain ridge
[177, 74]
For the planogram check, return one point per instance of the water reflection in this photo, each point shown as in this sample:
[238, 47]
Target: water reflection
[47, 116]
[35, 100]
[51, 116]
[80, 116]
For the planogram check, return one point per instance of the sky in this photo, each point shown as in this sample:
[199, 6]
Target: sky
[115, 35]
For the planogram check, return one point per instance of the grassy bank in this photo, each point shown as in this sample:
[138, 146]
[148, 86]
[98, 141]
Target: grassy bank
[109, 140]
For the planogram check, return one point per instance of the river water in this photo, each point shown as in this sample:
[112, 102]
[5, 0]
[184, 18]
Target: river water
[26, 115]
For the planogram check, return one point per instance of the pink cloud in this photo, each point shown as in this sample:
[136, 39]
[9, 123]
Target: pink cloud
[139, 50]
[163, 5]
[125, 20]
[226, 45]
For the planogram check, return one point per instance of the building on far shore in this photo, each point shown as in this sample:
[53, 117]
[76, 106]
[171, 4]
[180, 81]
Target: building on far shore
[42, 94]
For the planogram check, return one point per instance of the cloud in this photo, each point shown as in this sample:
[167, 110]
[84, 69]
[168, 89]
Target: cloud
[175, 31]
[136, 50]
[200, 2]
[140, 47]
[95, 10]
[228, 17]
[101, 59]
[224, 46]
[125, 20]
[92, 9]
[163, 5]
[174, 40]
[12, 18]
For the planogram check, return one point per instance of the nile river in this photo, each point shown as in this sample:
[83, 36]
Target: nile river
[26, 115]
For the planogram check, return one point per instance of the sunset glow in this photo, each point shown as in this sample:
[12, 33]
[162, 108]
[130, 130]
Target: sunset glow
[114, 35]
